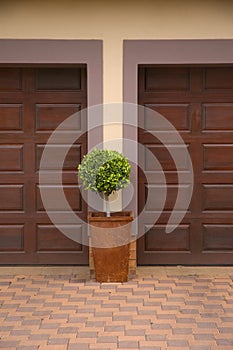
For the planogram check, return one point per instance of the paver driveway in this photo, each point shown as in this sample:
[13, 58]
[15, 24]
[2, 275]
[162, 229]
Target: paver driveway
[62, 312]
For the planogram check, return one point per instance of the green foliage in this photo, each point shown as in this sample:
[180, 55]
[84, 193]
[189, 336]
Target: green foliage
[104, 171]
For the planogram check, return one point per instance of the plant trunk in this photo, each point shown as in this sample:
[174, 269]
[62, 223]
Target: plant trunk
[107, 205]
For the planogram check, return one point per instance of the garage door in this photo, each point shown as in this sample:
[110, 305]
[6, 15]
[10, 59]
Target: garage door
[198, 101]
[33, 102]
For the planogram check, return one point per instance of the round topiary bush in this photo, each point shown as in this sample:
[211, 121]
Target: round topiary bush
[104, 171]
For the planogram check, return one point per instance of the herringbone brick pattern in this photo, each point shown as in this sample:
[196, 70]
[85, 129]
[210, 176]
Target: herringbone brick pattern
[64, 313]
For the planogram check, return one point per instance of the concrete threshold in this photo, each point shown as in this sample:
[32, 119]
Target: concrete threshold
[142, 271]
[184, 270]
[82, 271]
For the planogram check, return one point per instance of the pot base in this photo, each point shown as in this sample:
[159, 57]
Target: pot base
[111, 264]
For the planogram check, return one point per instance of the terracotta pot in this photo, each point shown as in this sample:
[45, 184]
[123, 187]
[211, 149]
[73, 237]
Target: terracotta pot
[110, 240]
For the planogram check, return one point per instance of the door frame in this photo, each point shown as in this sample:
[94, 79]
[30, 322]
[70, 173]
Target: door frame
[29, 52]
[181, 51]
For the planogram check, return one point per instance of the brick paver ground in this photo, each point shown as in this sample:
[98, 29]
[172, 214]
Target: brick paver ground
[153, 312]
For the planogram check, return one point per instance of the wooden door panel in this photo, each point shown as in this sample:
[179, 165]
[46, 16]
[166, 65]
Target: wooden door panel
[50, 116]
[33, 102]
[156, 239]
[71, 192]
[218, 157]
[11, 117]
[155, 199]
[157, 152]
[177, 114]
[198, 102]
[167, 79]
[218, 237]
[51, 238]
[58, 79]
[217, 197]
[217, 116]
[218, 78]
[11, 158]
[11, 79]
[11, 237]
[55, 152]
[11, 197]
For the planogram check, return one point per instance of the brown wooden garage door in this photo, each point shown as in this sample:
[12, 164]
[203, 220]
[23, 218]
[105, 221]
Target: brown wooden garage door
[198, 101]
[33, 102]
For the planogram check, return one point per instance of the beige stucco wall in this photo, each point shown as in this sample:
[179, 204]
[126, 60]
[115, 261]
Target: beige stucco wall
[112, 21]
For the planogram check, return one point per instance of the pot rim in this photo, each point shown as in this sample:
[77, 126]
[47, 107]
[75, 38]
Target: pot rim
[115, 216]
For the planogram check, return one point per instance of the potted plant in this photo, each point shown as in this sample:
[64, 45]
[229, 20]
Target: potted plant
[104, 172]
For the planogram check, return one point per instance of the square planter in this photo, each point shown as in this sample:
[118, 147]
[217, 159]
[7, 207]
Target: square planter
[110, 240]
